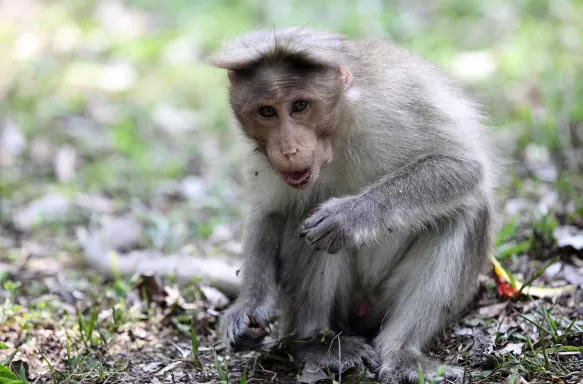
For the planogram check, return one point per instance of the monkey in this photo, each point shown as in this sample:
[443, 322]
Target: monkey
[370, 185]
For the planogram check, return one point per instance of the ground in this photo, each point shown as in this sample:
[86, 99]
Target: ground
[112, 128]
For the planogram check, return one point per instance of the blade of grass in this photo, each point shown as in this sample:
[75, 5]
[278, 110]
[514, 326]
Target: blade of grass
[244, 377]
[194, 343]
[537, 325]
[538, 274]
[223, 372]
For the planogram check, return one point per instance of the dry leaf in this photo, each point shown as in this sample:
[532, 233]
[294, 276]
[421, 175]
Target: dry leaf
[312, 373]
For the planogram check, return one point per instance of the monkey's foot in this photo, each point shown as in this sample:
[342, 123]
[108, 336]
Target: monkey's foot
[404, 368]
[245, 326]
[338, 353]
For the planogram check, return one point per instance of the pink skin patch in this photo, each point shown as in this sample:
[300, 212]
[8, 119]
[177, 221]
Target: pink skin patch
[362, 307]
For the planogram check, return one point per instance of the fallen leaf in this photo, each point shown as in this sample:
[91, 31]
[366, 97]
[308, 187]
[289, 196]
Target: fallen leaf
[569, 236]
[173, 297]
[215, 297]
[64, 163]
[514, 348]
[312, 373]
[175, 121]
[492, 310]
[220, 234]
[573, 275]
[41, 151]
[21, 366]
[514, 207]
[94, 203]
[192, 188]
[169, 367]
[45, 209]
[516, 379]
[553, 270]
[12, 142]
[117, 233]
[151, 285]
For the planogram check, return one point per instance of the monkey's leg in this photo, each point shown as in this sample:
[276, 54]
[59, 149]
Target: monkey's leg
[315, 290]
[436, 278]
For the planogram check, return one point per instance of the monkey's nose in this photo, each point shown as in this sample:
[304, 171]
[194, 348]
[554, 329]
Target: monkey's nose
[289, 152]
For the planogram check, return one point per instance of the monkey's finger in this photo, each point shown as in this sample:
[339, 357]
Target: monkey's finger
[314, 220]
[304, 231]
[317, 242]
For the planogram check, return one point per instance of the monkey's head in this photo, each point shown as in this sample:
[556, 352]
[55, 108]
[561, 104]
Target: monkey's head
[288, 101]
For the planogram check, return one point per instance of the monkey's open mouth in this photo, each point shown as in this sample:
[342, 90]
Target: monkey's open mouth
[297, 179]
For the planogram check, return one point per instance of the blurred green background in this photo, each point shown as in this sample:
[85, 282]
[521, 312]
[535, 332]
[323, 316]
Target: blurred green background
[108, 104]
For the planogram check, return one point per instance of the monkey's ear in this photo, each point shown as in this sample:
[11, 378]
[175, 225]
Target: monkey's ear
[345, 75]
[229, 60]
[220, 62]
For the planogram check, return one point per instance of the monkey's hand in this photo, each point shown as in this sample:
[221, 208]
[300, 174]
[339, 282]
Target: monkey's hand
[337, 223]
[245, 325]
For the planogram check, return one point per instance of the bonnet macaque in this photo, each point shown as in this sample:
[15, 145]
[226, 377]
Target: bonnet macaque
[370, 199]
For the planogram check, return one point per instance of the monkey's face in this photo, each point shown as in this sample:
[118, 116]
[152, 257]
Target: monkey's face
[293, 138]
[291, 117]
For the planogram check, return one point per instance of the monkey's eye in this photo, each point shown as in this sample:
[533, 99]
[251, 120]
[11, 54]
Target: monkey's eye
[266, 112]
[299, 106]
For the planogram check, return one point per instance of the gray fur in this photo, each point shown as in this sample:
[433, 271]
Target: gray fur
[404, 215]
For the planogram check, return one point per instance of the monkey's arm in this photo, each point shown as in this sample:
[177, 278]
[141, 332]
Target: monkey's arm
[414, 196]
[246, 321]
[424, 191]
[261, 247]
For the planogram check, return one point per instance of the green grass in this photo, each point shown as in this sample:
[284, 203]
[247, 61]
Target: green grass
[545, 358]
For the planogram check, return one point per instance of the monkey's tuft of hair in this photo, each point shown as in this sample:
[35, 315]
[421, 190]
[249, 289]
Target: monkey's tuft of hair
[271, 46]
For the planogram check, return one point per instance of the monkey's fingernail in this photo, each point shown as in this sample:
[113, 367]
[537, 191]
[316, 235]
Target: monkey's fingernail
[312, 211]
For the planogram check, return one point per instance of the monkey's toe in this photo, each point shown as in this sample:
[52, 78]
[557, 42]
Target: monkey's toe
[246, 339]
[405, 369]
[341, 353]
